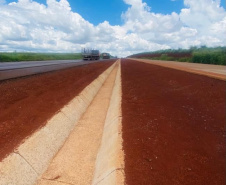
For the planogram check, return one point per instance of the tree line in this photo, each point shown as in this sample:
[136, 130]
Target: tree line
[203, 54]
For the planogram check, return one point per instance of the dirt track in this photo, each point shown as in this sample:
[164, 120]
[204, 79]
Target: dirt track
[173, 126]
[27, 103]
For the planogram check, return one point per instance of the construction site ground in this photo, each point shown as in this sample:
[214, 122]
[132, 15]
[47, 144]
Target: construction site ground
[173, 122]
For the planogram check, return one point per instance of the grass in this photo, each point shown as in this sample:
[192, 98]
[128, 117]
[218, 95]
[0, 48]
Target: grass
[17, 57]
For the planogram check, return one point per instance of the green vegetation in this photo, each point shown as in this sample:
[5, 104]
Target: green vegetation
[172, 58]
[203, 55]
[17, 57]
[210, 56]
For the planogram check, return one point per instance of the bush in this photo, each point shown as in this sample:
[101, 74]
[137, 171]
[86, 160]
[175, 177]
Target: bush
[184, 59]
[210, 56]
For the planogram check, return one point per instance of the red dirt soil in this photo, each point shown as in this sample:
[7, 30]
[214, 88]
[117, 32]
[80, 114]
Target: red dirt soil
[27, 103]
[173, 126]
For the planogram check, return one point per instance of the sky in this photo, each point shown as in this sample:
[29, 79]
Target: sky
[120, 27]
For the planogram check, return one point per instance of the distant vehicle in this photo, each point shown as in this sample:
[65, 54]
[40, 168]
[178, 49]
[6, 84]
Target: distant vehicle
[106, 56]
[90, 54]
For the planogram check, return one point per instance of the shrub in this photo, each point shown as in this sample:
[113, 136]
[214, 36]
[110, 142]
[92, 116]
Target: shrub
[209, 56]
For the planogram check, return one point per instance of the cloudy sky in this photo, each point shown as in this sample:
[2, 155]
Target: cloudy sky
[120, 27]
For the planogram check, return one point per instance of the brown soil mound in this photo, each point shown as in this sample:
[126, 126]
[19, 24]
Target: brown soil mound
[27, 103]
[173, 126]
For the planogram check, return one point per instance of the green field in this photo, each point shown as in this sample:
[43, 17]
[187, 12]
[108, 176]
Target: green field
[17, 57]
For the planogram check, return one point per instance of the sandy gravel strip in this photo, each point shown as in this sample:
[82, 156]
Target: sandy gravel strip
[24, 166]
[214, 71]
[75, 162]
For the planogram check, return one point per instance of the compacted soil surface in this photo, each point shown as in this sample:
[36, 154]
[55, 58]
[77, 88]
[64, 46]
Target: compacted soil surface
[27, 103]
[173, 126]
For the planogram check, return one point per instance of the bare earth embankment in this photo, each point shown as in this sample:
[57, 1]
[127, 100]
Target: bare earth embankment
[27, 103]
[173, 126]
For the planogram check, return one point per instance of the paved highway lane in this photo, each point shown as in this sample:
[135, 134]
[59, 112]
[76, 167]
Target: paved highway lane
[18, 65]
[10, 70]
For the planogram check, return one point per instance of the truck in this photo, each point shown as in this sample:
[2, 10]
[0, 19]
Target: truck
[90, 54]
[106, 56]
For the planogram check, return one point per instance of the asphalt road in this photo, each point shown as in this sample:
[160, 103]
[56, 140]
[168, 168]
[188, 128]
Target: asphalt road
[10, 70]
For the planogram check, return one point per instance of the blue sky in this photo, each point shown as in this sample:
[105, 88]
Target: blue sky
[120, 27]
[97, 11]
[100, 10]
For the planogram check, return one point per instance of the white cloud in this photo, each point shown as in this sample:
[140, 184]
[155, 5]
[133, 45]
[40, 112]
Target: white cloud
[200, 23]
[31, 26]
[201, 13]
[208, 18]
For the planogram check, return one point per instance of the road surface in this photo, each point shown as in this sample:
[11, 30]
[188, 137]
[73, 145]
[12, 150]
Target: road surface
[10, 70]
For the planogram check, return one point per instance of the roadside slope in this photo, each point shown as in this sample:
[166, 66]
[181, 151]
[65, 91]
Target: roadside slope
[27, 103]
